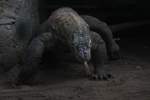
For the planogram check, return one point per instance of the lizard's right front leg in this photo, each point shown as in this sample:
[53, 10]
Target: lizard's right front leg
[32, 58]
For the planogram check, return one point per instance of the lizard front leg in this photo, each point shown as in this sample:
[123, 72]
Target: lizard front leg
[98, 58]
[104, 31]
[31, 60]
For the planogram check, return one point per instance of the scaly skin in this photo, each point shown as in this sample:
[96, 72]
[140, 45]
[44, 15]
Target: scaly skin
[103, 30]
[73, 31]
[66, 27]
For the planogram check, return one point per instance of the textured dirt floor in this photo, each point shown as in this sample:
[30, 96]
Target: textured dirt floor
[67, 82]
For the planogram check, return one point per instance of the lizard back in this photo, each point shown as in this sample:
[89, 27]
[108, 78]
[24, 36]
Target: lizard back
[67, 24]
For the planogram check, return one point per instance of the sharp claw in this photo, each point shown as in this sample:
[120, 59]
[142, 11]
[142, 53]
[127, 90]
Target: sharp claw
[105, 78]
[114, 55]
[112, 77]
[95, 77]
[100, 77]
[91, 77]
[109, 76]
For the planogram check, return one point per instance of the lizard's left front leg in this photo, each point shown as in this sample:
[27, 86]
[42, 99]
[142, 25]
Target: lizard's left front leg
[98, 58]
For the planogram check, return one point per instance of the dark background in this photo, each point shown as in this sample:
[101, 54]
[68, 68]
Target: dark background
[111, 11]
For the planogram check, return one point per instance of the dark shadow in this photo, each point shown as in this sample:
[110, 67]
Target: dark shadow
[56, 69]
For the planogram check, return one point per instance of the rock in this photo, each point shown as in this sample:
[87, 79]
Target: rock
[10, 10]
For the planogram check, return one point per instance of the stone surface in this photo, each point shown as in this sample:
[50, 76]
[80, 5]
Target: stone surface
[10, 11]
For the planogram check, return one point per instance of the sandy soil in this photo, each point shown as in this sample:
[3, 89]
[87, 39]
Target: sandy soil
[131, 80]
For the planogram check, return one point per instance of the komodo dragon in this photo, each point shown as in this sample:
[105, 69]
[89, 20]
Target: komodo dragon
[66, 28]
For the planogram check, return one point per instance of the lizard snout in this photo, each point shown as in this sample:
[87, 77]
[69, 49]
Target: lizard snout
[85, 54]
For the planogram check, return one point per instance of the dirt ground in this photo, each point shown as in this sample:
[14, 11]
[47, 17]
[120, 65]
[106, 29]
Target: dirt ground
[131, 79]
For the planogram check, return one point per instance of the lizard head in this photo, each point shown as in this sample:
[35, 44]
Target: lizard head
[81, 46]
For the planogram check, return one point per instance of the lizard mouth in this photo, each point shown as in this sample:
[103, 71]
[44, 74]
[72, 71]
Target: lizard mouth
[84, 54]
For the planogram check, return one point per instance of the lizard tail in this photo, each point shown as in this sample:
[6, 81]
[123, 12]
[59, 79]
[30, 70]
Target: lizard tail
[98, 25]
[128, 25]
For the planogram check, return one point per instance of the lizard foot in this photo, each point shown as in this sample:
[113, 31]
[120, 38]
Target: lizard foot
[102, 75]
[113, 52]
